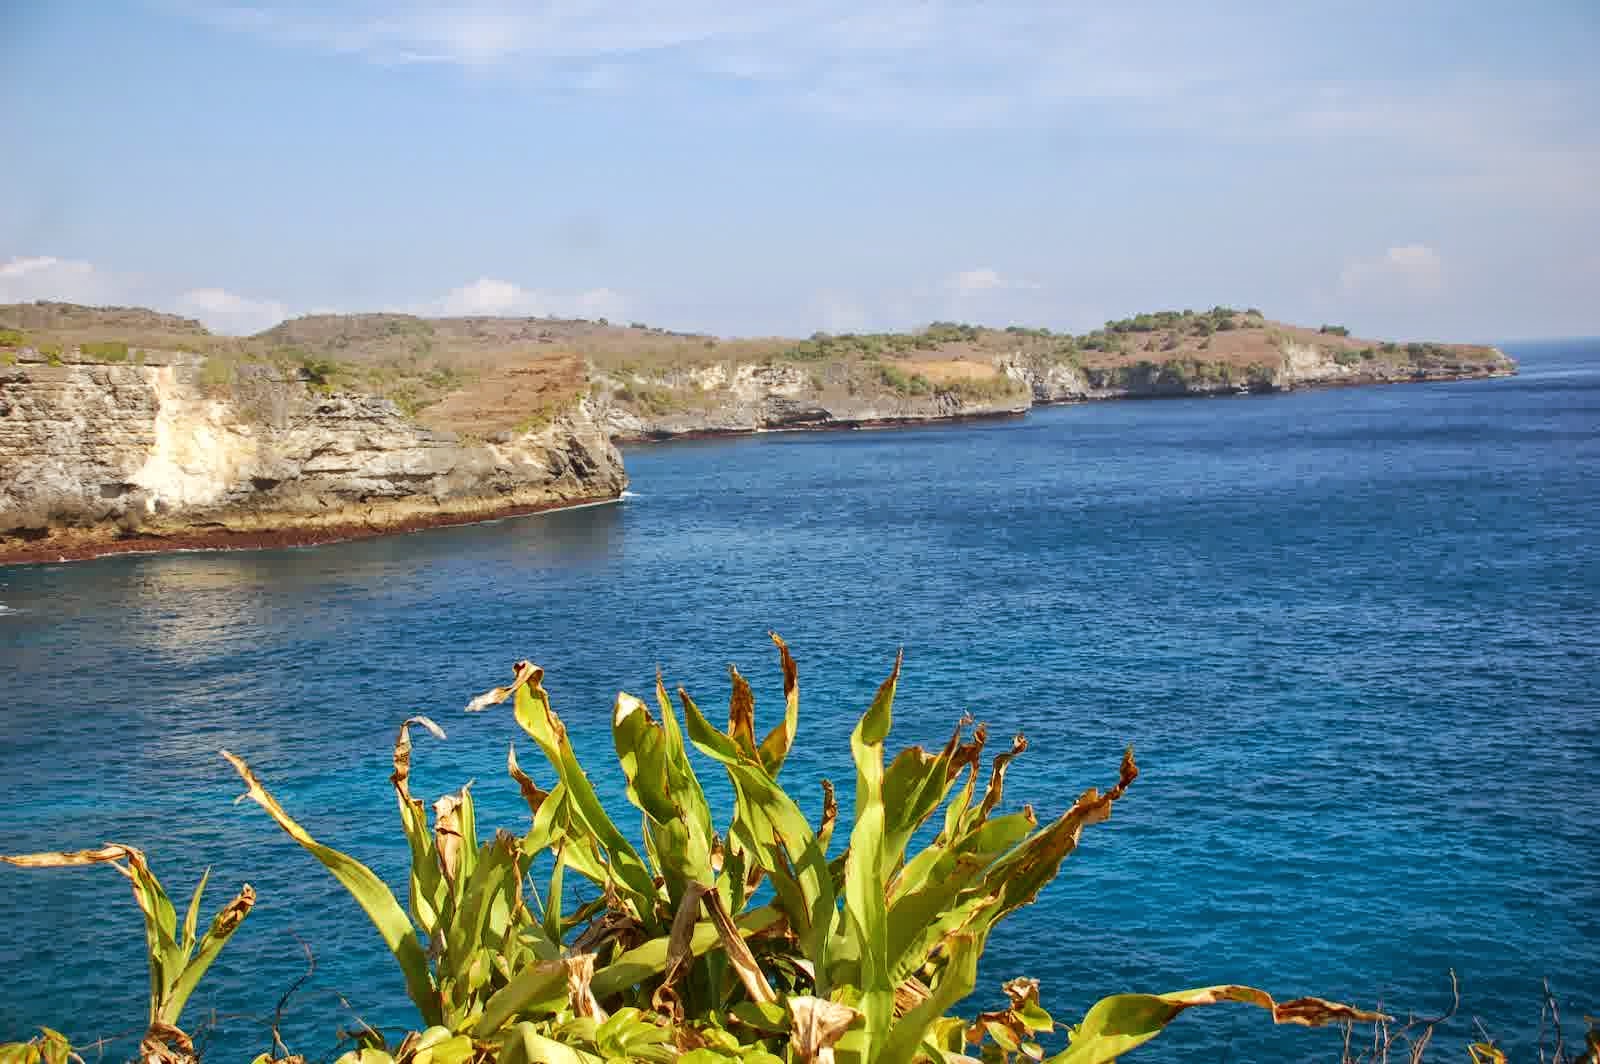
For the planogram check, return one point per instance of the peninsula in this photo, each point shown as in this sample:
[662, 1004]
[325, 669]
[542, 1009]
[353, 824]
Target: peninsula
[123, 429]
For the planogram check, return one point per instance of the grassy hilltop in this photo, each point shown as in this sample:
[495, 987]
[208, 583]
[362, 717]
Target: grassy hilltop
[484, 375]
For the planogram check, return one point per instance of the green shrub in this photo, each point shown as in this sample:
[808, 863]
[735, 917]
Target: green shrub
[12, 338]
[105, 351]
[176, 957]
[1334, 330]
[1344, 356]
[748, 943]
[901, 382]
[986, 389]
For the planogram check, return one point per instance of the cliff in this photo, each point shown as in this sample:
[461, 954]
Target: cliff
[153, 452]
[765, 396]
[956, 371]
[122, 428]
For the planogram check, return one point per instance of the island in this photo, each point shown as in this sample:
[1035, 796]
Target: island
[124, 429]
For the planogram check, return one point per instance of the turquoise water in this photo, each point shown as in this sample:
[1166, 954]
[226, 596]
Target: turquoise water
[1354, 636]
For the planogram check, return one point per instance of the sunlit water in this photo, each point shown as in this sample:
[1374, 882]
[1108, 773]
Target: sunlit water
[1354, 636]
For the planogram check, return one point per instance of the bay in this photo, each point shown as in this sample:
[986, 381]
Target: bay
[1352, 635]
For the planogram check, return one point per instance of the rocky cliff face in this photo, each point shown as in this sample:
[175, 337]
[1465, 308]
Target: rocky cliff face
[91, 453]
[756, 397]
[761, 397]
[1300, 366]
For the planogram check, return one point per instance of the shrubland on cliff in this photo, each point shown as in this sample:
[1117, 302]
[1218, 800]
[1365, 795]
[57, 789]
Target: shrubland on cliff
[94, 453]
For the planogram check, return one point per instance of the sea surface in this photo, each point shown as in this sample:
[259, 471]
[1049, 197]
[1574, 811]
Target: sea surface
[1353, 635]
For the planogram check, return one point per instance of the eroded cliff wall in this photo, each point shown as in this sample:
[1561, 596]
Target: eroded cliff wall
[92, 451]
[760, 397]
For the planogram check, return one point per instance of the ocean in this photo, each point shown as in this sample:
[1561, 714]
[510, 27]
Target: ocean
[1353, 636]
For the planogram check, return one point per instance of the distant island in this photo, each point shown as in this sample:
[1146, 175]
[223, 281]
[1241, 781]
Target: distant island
[125, 429]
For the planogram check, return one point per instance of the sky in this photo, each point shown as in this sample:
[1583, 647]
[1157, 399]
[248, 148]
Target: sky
[1408, 168]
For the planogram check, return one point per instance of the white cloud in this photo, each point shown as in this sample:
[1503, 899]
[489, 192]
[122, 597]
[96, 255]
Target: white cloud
[24, 280]
[487, 33]
[1410, 269]
[223, 311]
[985, 279]
[493, 297]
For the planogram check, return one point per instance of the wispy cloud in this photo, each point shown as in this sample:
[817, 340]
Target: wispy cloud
[226, 312]
[24, 280]
[490, 296]
[985, 279]
[1408, 270]
[484, 34]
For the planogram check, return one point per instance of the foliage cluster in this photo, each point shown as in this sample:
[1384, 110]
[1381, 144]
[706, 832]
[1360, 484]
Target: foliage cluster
[752, 943]
[985, 389]
[901, 382]
[105, 350]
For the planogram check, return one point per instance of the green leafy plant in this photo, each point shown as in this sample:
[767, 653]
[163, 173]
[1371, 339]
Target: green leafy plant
[50, 1047]
[177, 959]
[752, 943]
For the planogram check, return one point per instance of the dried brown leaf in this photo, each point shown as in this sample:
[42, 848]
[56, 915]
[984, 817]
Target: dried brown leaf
[447, 833]
[816, 1026]
[738, 952]
[580, 973]
[742, 713]
[997, 776]
[680, 952]
[523, 672]
[401, 776]
[110, 852]
[532, 793]
[165, 1044]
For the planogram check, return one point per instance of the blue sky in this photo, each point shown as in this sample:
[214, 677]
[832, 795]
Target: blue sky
[1411, 169]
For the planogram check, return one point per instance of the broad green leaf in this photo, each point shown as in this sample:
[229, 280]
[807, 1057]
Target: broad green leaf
[365, 1055]
[223, 925]
[772, 829]
[867, 870]
[538, 988]
[907, 1034]
[534, 715]
[191, 919]
[1116, 1024]
[650, 959]
[370, 892]
[525, 1045]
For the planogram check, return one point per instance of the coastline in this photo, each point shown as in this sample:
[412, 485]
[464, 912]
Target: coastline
[1021, 413]
[68, 545]
[88, 549]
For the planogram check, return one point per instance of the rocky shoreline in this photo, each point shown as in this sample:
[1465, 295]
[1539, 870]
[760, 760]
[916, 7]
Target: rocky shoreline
[67, 548]
[103, 459]
[775, 411]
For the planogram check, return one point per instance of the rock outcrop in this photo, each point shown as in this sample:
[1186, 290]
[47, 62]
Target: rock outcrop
[758, 397]
[95, 454]
[765, 397]
[1301, 366]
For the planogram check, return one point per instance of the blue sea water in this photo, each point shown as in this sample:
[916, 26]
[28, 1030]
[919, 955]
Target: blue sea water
[1354, 636]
